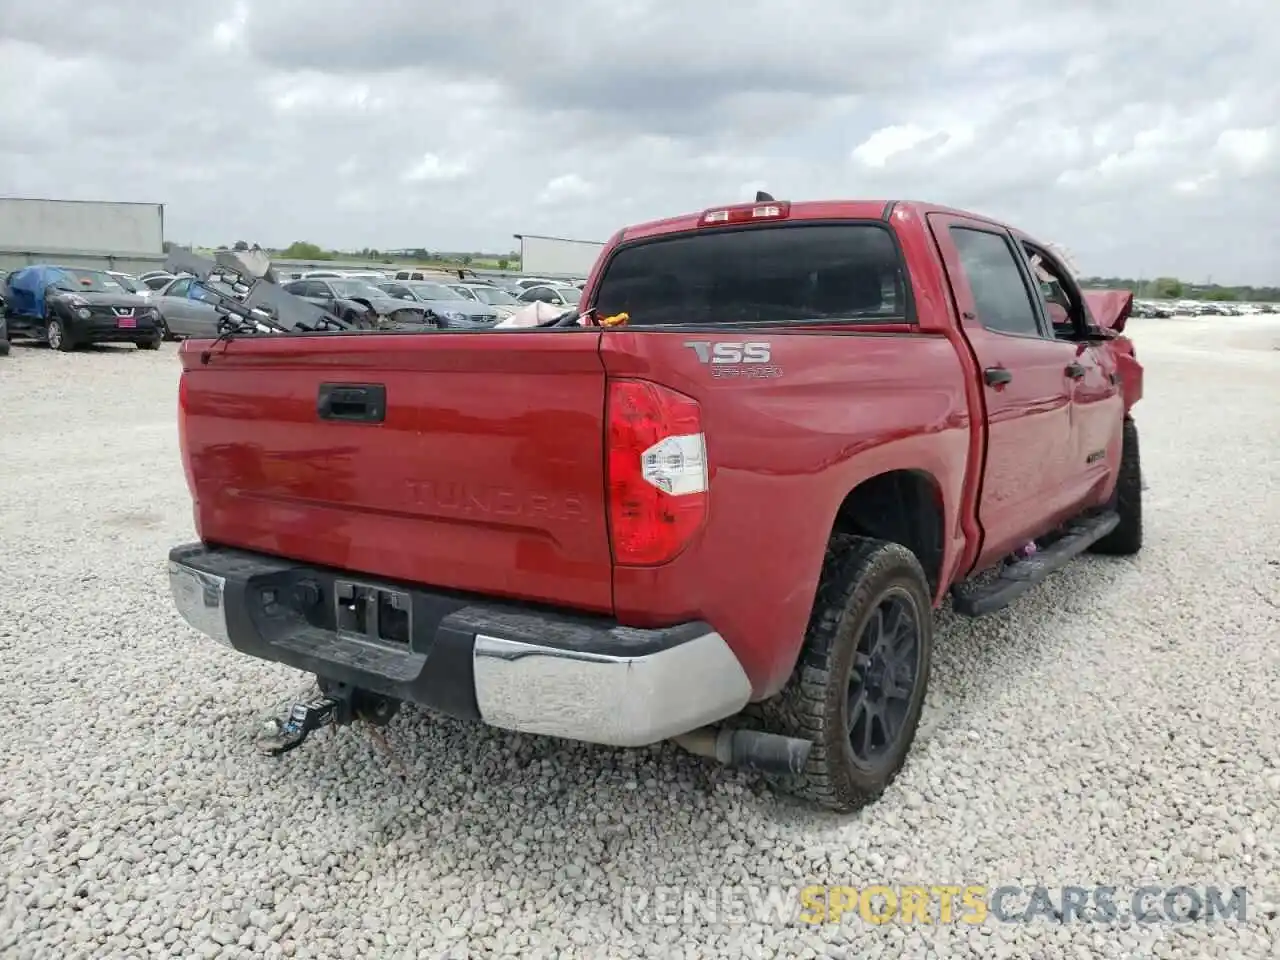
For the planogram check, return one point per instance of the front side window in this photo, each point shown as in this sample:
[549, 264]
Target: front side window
[1000, 293]
[1057, 294]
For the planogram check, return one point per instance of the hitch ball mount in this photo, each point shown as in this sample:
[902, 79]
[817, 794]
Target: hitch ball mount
[338, 705]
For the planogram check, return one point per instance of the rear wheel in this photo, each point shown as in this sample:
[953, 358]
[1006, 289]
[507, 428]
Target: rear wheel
[1126, 539]
[859, 687]
[57, 337]
[152, 344]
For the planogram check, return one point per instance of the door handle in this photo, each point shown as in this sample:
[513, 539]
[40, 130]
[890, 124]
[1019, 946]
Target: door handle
[996, 376]
[1075, 371]
[352, 402]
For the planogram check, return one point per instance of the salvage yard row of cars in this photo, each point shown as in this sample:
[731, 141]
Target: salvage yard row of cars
[67, 307]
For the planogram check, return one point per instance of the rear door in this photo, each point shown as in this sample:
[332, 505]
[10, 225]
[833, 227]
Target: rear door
[1028, 483]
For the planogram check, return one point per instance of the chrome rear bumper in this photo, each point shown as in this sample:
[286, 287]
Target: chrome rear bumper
[532, 671]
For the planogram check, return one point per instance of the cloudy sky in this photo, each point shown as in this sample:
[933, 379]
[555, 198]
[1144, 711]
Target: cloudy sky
[1144, 137]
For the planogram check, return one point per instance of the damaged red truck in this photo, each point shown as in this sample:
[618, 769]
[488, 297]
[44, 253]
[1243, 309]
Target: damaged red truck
[726, 522]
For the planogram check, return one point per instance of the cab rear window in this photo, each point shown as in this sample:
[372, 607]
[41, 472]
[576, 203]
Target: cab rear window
[788, 273]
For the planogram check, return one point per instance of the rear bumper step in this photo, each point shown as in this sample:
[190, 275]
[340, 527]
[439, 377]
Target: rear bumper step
[980, 599]
[520, 668]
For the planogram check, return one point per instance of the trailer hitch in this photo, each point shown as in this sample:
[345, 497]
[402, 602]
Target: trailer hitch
[336, 705]
[303, 718]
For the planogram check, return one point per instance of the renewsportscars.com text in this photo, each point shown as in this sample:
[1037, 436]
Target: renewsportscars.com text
[935, 904]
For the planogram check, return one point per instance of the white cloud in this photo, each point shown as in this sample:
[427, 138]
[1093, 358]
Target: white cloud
[890, 143]
[1247, 149]
[432, 167]
[230, 32]
[887, 142]
[566, 187]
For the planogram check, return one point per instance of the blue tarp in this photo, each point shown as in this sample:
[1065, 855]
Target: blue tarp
[27, 286]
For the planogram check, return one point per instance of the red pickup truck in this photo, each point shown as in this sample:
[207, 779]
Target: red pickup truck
[725, 521]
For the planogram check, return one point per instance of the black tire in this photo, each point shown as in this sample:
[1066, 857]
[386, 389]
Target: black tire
[1126, 539]
[4, 348]
[55, 334]
[865, 584]
[152, 344]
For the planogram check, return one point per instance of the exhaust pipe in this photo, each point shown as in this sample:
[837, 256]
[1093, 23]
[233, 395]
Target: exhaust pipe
[748, 749]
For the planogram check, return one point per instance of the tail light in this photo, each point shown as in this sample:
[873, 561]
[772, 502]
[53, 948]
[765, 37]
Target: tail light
[746, 213]
[657, 472]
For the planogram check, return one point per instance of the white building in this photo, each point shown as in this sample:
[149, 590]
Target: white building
[556, 257]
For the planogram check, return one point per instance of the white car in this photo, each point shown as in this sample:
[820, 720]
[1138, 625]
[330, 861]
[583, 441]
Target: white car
[129, 283]
[501, 301]
[557, 294]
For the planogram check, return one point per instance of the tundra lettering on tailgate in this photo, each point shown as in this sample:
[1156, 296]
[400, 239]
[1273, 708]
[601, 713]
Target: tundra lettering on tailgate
[730, 358]
[451, 498]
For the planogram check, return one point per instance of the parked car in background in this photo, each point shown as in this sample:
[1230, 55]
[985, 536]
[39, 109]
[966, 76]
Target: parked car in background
[503, 303]
[155, 279]
[69, 306]
[421, 273]
[557, 295]
[4, 327]
[187, 309]
[521, 284]
[129, 283]
[444, 305]
[358, 302]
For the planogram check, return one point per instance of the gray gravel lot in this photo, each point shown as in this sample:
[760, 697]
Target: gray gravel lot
[1117, 727]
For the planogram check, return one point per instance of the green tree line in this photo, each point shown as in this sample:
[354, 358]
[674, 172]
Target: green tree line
[305, 250]
[1171, 288]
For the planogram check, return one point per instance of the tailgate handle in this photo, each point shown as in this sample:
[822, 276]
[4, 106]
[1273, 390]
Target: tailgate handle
[353, 402]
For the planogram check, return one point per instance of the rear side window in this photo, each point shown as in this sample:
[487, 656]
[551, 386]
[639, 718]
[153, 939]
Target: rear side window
[775, 274]
[1000, 293]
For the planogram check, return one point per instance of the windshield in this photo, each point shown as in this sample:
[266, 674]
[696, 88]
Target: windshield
[492, 295]
[790, 272]
[463, 292]
[87, 281]
[569, 294]
[127, 283]
[434, 291]
[356, 288]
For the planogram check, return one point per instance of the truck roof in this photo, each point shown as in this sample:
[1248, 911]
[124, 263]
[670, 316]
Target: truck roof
[802, 210]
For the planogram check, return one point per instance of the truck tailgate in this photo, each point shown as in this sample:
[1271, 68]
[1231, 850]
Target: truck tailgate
[484, 473]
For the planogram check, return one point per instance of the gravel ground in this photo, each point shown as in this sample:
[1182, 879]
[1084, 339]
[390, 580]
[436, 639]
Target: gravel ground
[1117, 727]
